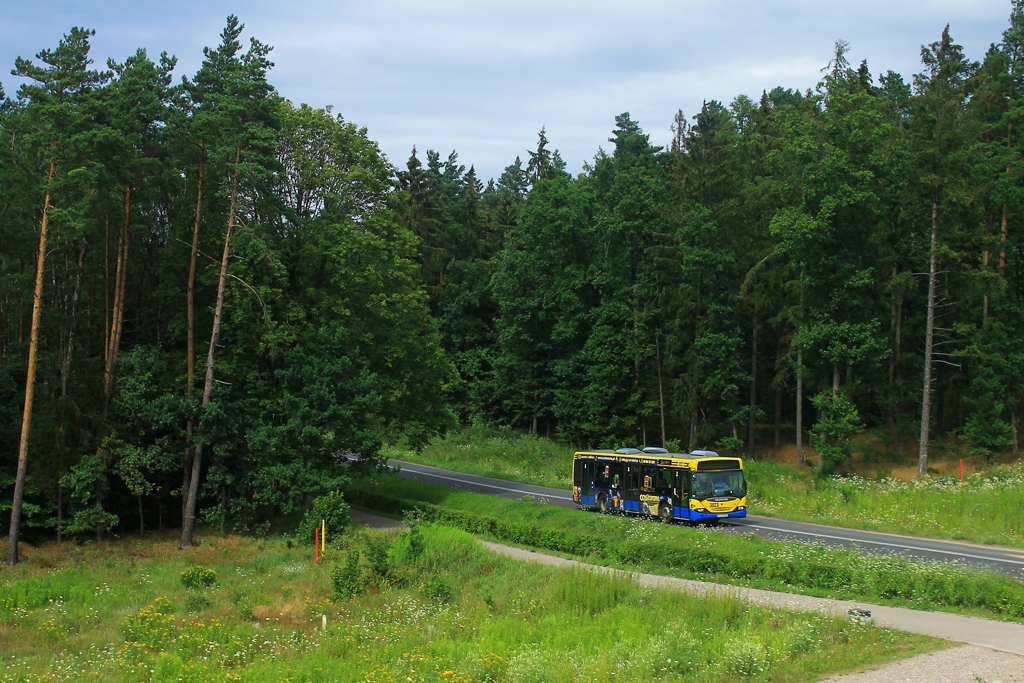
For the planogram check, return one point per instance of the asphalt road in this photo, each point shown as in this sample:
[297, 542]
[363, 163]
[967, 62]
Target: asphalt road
[1004, 560]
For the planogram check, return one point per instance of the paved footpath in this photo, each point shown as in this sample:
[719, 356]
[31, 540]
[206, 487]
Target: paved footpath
[977, 660]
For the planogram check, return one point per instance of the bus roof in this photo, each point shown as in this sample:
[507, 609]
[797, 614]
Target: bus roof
[653, 452]
[694, 460]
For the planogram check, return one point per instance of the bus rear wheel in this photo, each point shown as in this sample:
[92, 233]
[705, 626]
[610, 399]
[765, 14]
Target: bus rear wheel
[602, 504]
[665, 513]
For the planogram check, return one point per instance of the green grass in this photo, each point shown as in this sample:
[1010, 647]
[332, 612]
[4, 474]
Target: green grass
[497, 452]
[985, 509]
[430, 605]
[702, 554]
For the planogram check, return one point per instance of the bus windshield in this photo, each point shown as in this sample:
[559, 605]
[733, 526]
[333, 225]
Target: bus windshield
[708, 484]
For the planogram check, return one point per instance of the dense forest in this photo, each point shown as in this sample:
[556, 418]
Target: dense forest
[210, 297]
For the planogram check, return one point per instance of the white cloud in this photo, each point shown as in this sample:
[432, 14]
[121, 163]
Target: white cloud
[483, 77]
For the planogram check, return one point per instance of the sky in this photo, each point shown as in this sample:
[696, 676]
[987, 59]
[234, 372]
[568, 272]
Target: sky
[481, 78]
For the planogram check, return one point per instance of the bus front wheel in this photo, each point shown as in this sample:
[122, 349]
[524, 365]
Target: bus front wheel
[602, 504]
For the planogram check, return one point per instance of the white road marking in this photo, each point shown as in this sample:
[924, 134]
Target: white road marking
[490, 486]
[890, 545]
[753, 526]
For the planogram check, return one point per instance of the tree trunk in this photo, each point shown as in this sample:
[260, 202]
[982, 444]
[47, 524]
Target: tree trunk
[106, 288]
[186, 479]
[142, 527]
[116, 324]
[801, 459]
[66, 371]
[697, 405]
[733, 404]
[661, 394]
[826, 466]
[188, 524]
[190, 360]
[777, 423]
[899, 380]
[892, 331]
[751, 414]
[926, 391]
[988, 233]
[190, 370]
[1013, 425]
[65, 383]
[895, 313]
[848, 462]
[1002, 252]
[21, 304]
[60, 512]
[30, 380]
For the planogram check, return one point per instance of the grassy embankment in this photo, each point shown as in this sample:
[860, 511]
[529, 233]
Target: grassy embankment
[985, 509]
[423, 606]
[697, 553]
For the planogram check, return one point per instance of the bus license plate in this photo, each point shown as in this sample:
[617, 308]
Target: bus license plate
[723, 515]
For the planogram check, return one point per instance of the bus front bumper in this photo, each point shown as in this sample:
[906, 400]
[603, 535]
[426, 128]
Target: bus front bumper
[700, 515]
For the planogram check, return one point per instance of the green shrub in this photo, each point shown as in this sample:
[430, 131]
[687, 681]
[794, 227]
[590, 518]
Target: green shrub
[437, 588]
[348, 578]
[333, 510]
[244, 601]
[196, 602]
[893, 583]
[198, 577]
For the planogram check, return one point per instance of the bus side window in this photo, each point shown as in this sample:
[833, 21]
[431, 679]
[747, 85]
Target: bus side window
[646, 473]
[618, 480]
[664, 480]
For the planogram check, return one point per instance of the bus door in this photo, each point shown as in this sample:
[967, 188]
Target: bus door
[681, 491]
[583, 482]
[665, 486]
[631, 494]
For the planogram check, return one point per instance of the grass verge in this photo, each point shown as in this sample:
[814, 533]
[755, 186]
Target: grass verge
[428, 605]
[984, 509]
[698, 553]
[497, 452]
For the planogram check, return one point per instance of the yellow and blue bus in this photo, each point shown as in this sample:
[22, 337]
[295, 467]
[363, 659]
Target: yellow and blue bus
[696, 486]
